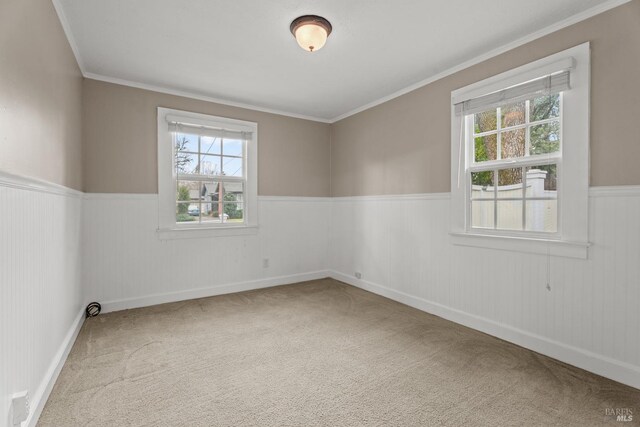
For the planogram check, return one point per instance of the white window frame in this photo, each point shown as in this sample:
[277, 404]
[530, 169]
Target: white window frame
[168, 228]
[571, 239]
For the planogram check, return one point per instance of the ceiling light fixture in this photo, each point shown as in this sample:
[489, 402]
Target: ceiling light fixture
[311, 31]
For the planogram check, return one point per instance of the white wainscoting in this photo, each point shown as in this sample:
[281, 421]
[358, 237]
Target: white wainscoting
[126, 265]
[40, 290]
[60, 249]
[590, 318]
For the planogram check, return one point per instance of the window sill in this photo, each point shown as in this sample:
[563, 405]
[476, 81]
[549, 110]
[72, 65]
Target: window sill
[560, 248]
[203, 232]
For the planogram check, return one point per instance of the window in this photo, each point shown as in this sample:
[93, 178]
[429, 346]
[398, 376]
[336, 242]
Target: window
[520, 157]
[513, 170]
[207, 174]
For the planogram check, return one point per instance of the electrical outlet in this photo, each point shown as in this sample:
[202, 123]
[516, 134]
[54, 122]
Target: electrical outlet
[265, 263]
[358, 275]
[20, 407]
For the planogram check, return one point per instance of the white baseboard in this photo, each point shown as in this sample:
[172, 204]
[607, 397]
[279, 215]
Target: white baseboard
[610, 368]
[40, 397]
[145, 301]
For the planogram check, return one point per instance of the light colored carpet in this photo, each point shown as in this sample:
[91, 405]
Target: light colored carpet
[314, 353]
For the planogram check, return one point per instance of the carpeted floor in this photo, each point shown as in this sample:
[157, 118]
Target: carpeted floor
[309, 354]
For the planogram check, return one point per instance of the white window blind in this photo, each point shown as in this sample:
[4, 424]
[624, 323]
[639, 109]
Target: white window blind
[199, 130]
[553, 83]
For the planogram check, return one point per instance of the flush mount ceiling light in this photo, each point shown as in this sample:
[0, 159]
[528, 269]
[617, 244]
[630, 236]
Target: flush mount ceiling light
[310, 31]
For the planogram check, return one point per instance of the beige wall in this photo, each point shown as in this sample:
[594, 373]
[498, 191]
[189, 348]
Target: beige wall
[120, 137]
[399, 147]
[403, 145]
[40, 95]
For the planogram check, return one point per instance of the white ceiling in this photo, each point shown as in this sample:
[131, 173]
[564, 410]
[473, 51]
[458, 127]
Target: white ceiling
[241, 51]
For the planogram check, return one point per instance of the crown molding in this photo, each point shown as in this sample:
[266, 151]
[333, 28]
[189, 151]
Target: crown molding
[67, 31]
[574, 19]
[200, 97]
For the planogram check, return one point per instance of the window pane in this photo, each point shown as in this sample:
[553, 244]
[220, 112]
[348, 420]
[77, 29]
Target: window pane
[232, 166]
[233, 212]
[542, 215]
[485, 121]
[182, 213]
[188, 191]
[545, 138]
[512, 143]
[212, 217]
[542, 181]
[209, 191]
[510, 183]
[210, 202]
[509, 214]
[210, 211]
[185, 142]
[186, 163]
[232, 147]
[213, 213]
[206, 207]
[194, 211]
[482, 185]
[210, 165]
[210, 145]
[486, 148]
[233, 191]
[544, 107]
[513, 114]
[233, 202]
[482, 212]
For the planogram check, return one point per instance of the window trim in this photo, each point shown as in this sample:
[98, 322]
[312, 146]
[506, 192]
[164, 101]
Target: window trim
[571, 240]
[167, 226]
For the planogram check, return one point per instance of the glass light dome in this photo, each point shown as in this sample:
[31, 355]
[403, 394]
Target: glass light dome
[311, 32]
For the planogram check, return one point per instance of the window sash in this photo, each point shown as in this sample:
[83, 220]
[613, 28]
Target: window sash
[200, 155]
[495, 200]
[220, 204]
[528, 159]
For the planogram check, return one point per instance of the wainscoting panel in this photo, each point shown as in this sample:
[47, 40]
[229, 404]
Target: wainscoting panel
[590, 316]
[60, 249]
[126, 265]
[40, 289]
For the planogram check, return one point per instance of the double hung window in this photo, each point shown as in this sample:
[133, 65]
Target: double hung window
[206, 171]
[515, 152]
[520, 157]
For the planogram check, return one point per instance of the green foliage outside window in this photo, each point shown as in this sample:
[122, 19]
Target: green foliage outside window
[482, 178]
[545, 138]
[183, 196]
[232, 208]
